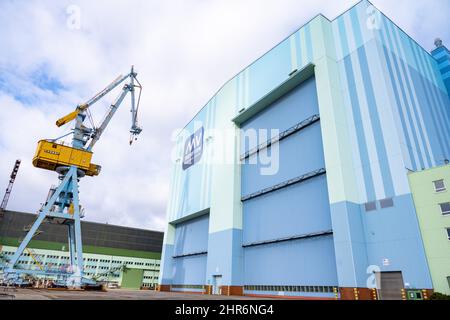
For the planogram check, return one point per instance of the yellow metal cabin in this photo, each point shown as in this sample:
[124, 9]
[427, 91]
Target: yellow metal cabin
[50, 155]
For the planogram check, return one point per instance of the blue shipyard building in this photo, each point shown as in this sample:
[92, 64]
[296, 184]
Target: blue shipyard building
[311, 195]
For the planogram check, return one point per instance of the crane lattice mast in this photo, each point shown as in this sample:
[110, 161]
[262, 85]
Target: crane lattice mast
[12, 178]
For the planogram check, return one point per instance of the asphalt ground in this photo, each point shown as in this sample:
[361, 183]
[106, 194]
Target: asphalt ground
[110, 294]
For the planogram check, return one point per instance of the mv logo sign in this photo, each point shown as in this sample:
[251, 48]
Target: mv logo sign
[193, 149]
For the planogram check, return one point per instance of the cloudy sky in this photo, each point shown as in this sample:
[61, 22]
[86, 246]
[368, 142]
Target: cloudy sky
[183, 51]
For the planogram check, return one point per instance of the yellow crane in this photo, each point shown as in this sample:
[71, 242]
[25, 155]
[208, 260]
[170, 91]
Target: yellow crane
[73, 162]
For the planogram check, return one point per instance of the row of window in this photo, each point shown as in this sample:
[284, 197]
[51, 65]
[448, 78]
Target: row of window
[148, 285]
[291, 288]
[93, 260]
[439, 186]
[384, 203]
[136, 263]
[188, 286]
[103, 267]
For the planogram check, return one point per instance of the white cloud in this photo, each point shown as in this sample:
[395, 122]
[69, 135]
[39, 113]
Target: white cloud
[184, 52]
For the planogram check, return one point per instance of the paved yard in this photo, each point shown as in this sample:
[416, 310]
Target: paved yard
[112, 294]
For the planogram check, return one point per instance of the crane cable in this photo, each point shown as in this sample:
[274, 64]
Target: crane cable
[91, 119]
[88, 112]
[137, 107]
[139, 97]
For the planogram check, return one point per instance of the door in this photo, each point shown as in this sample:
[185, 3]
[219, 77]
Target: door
[277, 221]
[217, 284]
[190, 252]
[390, 285]
[132, 278]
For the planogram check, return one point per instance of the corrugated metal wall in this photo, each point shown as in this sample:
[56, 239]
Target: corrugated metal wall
[190, 251]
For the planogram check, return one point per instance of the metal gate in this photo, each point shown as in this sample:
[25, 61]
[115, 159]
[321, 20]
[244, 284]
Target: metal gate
[287, 232]
[390, 285]
[190, 251]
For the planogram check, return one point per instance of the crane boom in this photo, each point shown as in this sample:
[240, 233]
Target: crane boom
[73, 115]
[105, 91]
[135, 129]
[128, 87]
[112, 110]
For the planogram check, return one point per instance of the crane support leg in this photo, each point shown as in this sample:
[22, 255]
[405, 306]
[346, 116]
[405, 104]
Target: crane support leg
[58, 206]
[36, 224]
[72, 247]
[77, 227]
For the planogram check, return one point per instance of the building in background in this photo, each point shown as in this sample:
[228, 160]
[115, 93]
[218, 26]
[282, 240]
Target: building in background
[431, 194]
[442, 56]
[127, 257]
[325, 128]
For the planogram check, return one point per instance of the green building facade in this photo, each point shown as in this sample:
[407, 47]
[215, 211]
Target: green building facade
[431, 194]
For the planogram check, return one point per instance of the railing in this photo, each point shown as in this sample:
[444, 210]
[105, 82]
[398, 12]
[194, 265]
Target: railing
[299, 126]
[285, 184]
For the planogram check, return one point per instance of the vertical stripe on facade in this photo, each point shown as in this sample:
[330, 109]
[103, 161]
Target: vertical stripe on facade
[309, 47]
[407, 95]
[436, 92]
[416, 105]
[373, 111]
[396, 107]
[364, 113]
[303, 51]
[405, 108]
[355, 153]
[364, 155]
[293, 46]
[431, 105]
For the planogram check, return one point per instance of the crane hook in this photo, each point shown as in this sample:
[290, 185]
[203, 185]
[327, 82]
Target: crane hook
[131, 138]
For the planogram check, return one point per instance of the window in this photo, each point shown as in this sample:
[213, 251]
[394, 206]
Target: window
[370, 206]
[386, 203]
[445, 208]
[448, 233]
[439, 185]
